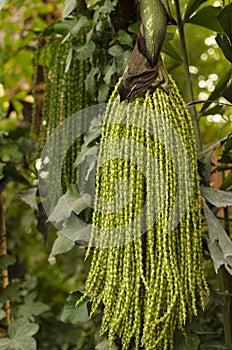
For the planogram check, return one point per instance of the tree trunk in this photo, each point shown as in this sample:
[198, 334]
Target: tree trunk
[3, 252]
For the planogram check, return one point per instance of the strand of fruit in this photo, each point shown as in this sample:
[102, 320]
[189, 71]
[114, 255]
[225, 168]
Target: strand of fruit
[147, 270]
[64, 94]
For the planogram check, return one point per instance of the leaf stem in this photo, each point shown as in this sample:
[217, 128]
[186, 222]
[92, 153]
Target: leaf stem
[180, 24]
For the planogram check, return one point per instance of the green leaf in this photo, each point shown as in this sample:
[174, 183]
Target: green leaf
[191, 7]
[10, 152]
[5, 344]
[91, 2]
[225, 45]
[61, 245]
[104, 345]
[68, 60]
[225, 19]
[3, 3]
[82, 22]
[70, 201]
[20, 336]
[29, 197]
[6, 260]
[11, 292]
[90, 34]
[69, 6]
[227, 92]
[2, 166]
[92, 135]
[191, 343]
[107, 7]
[85, 51]
[12, 172]
[121, 61]
[26, 146]
[205, 167]
[134, 28]
[115, 51]
[25, 343]
[30, 307]
[214, 110]
[8, 124]
[169, 36]
[226, 156]
[22, 328]
[124, 38]
[19, 4]
[169, 49]
[65, 26]
[76, 230]
[220, 86]
[2, 314]
[61, 211]
[220, 245]
[217, 197]
[71, 313]
[207, 17]
[87, 154]
[227, 183]
[109, 70]
[90, 82]
[103, 93]
[96, 18]
[218, 257]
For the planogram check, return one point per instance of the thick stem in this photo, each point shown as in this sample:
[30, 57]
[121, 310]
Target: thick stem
[3, 251]
[128, 9]
[127, 13]
[225, 286]
[81, 8]
[180, 24]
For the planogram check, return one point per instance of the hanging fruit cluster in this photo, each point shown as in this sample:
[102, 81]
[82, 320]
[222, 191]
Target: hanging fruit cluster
[64, 94]
[151, 280]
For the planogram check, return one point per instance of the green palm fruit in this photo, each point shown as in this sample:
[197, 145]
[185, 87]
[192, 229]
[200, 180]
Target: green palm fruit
[150, 280]
[64, 94]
